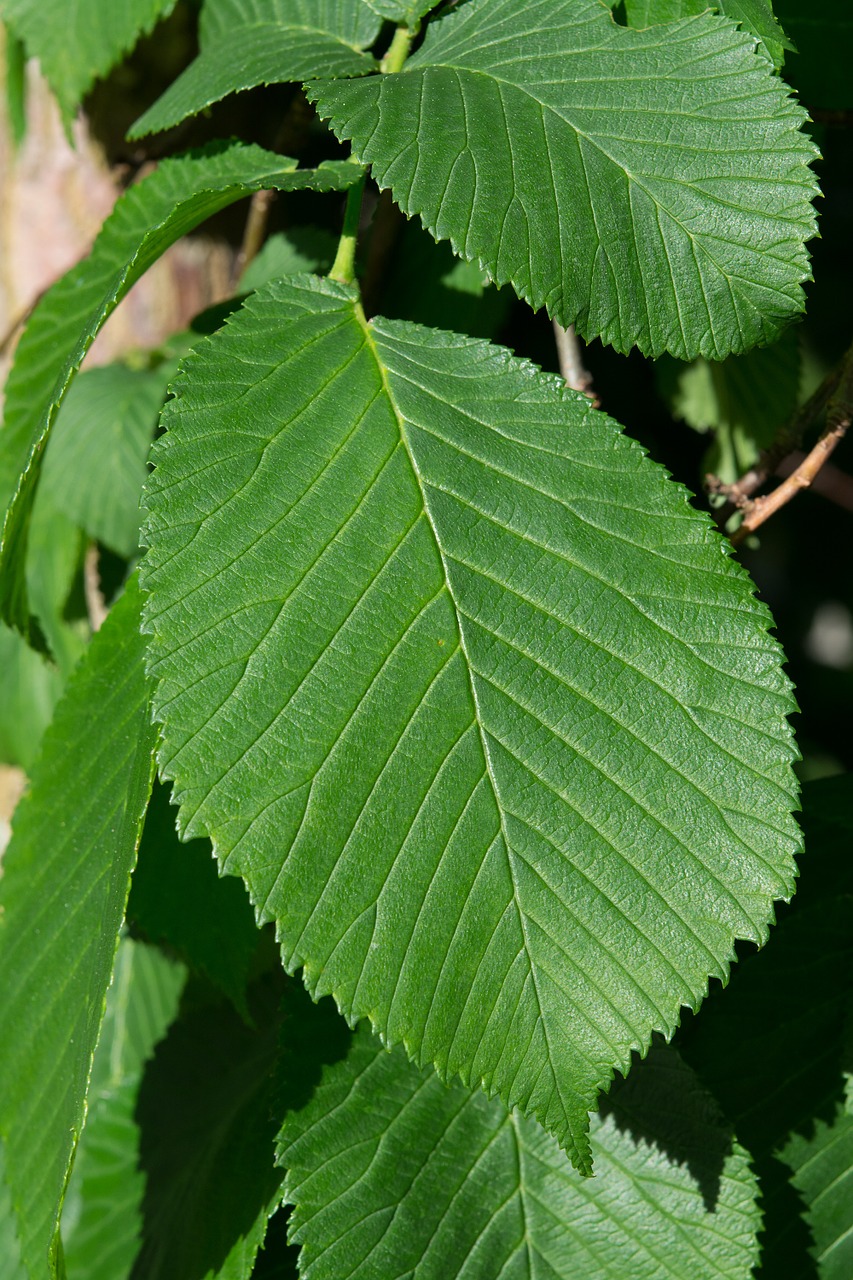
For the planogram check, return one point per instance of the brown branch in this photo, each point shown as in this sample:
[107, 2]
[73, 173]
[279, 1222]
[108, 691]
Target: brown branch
[572, 367]
[839, 415]
[254, 233]
[96, 604]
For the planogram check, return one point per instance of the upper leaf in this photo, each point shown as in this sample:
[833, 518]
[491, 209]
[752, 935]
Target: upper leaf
[755, 16]
[182, 193]
[246, 43]
[64, 887]
[480, 709]
[77, 43]
[392, 1174]
[651, 187]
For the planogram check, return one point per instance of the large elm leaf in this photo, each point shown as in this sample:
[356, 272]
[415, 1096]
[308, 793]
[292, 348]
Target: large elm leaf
[246, 43]
[65, 881]
[10, 1247]
[182, 193]
[651, 187]
[101, 1214]
[455, 678]
[77, 43]
[392, 1174]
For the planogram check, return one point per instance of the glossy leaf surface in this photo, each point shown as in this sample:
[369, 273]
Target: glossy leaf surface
[246, 43]
[151, 216]
[65, 881]
[445, 668]
[538, 142]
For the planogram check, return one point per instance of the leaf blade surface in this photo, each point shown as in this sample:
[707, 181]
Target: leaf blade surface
[64, 888]
[428, 614]
[539, 142]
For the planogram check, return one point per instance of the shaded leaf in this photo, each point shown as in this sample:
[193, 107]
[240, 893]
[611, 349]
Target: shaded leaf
[393, 1174]
[445, 667]
[101, 1215]
[95, 465]
[54, 558]
[64, 887]
[206, 1116]
[290, 253]
[539, 143]
[78, 43]
[823, 33]
[149, 218]
[177, 898]
[246, 43]
[822, 1172]
[402, 11]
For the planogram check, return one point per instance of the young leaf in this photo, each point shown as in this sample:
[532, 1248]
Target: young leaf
[95, 465]
[101, 1214]
[537, 137]
[64, 887]
[78, 43]
[246, 43]
[446, 669]
[182, 193]
[755, 16]
[393, 1174]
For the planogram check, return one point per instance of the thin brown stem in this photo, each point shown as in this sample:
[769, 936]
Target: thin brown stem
[839, 414]
[574, 372]
[96, 605]
[254, 233]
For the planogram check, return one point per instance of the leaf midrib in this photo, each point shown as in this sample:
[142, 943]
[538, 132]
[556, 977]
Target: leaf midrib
[489, 767]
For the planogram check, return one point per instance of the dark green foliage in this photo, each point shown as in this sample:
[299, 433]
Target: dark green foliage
[470, 727]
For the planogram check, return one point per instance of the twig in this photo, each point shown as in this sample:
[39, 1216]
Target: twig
[787, 442]
[96, 604]
[839, 414]
[572, 367]
[253, 235]
[830, 482]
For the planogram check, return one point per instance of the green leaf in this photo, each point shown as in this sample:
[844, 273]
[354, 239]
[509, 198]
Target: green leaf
[745, 400]
[148, 219]
[29, 687]
[755, 16]
[207, 1142]
[392, 1173]
[246, 43]
[176, 898]
[101, 1214]
[446, 670]
[95, 465]
[290, 253]
[78, 43]
[822, 1172]
[64, 887]
[403, 12]
[54, 558]
[540, 141]
[10, 1249]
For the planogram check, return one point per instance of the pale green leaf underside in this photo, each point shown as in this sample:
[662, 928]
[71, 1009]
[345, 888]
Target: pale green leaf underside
[651, 187]
[77, 43]
[182, 193]
[392, 1174]
[453, 676]
[64, 887]
[246, 43]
